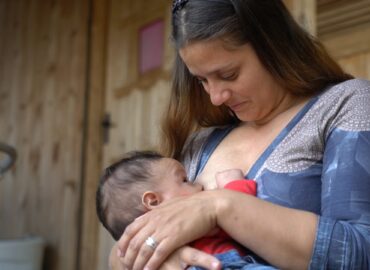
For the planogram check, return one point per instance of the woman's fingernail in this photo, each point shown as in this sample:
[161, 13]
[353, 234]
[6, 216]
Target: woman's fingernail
[215, 265]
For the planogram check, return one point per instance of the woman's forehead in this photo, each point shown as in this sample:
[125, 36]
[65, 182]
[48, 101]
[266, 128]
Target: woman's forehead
[203, 57]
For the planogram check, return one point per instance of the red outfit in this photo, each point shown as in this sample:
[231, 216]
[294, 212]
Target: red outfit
[220, 242]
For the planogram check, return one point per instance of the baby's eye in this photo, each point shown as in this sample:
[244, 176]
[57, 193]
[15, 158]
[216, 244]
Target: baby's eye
[185, 180]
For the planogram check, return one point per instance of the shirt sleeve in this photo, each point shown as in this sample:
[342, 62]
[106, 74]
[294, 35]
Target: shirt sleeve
[343, 234]
[243, 185]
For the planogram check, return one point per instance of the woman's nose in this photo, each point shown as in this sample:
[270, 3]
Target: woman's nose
[218, 94]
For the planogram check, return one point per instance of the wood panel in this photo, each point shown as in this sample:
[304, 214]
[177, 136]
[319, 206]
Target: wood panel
[93, 142]
[304, 11]
[344, 28]
[135, 106]
[132, 113]
[357, 65]
[42, 100]
[343, 17]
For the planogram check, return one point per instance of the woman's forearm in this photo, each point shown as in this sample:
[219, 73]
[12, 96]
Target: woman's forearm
[282, 236]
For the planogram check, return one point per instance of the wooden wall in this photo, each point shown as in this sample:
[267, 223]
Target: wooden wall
[43, 57]
[344, 28]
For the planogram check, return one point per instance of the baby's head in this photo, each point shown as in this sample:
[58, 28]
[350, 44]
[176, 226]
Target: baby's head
[137, 183]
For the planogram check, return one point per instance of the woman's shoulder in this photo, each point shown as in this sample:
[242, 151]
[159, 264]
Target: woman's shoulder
[195, 145]
[348, 89]
[197, 139]
[347, 105]
[192, 150]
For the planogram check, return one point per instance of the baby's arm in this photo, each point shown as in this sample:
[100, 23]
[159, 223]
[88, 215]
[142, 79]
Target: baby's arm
[234, 179]
[227, 176]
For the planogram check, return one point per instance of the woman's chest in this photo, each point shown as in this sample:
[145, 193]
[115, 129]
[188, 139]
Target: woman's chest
[239, 150]
[286, 168]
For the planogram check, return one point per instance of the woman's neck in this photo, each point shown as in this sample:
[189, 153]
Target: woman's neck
[287, 107]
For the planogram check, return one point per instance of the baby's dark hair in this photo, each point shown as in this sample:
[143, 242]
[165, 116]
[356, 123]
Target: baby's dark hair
[118, 197]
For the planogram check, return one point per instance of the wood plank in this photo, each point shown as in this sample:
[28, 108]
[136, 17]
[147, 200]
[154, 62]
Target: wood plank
[93, 144]
[304, 11]
[43, 86]
[356, 65]
[350, 42]
[342, 17]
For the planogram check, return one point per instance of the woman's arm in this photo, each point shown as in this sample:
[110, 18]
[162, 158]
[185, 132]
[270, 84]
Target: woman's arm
[344, 225]
[282, 236]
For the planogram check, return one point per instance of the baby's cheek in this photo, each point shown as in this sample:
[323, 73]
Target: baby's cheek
[190, 191]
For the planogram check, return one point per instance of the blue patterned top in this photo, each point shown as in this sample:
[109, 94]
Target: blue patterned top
[319, 163]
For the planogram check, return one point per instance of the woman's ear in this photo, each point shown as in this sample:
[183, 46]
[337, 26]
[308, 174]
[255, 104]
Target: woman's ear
[150, 200]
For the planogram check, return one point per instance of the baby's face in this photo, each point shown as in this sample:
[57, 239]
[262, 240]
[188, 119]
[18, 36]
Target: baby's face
[171, 179]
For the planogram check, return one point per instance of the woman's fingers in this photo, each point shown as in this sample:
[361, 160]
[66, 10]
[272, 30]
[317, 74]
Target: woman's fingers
[114, 261]
[137, 253]
[140, 249]
[142, 258]
[160, 254]
[170, 229]
[192, 256]
[128, 235]
[188, 256]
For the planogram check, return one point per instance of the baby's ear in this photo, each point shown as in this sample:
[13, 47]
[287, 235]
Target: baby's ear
[150, 200]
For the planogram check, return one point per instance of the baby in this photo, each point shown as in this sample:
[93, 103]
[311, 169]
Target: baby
[142, 180]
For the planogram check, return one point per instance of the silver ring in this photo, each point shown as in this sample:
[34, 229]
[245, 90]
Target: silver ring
[150, 241]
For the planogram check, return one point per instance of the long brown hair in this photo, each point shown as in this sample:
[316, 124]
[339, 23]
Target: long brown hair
[296, 59]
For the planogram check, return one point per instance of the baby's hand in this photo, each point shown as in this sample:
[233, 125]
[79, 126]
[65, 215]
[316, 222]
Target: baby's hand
[225, 177]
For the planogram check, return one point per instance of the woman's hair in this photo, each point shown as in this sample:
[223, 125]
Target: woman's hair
[297, 60]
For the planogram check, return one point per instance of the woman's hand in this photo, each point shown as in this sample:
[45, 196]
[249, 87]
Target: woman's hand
[178, 260]
[172, 224]
[114, 260]
[186, 256]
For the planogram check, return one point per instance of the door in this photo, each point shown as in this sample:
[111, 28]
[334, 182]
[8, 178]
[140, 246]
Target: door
[136, 91]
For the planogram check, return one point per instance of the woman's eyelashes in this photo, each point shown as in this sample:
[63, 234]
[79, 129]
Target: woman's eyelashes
[223, 77]
[228, 76]
[201, 80]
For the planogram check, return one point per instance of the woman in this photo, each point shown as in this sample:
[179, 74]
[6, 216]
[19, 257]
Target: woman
[288, 116]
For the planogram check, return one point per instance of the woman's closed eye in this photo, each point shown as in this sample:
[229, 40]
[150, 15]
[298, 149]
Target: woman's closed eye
[229, 76]
[201, 80]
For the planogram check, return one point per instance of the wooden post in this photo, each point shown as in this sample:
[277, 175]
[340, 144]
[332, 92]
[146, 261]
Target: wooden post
[304, 11]
[93, 143]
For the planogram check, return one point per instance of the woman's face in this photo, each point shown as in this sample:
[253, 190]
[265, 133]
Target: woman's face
[235, 77]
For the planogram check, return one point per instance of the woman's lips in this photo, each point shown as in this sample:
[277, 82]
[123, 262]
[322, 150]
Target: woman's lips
[237, 106]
